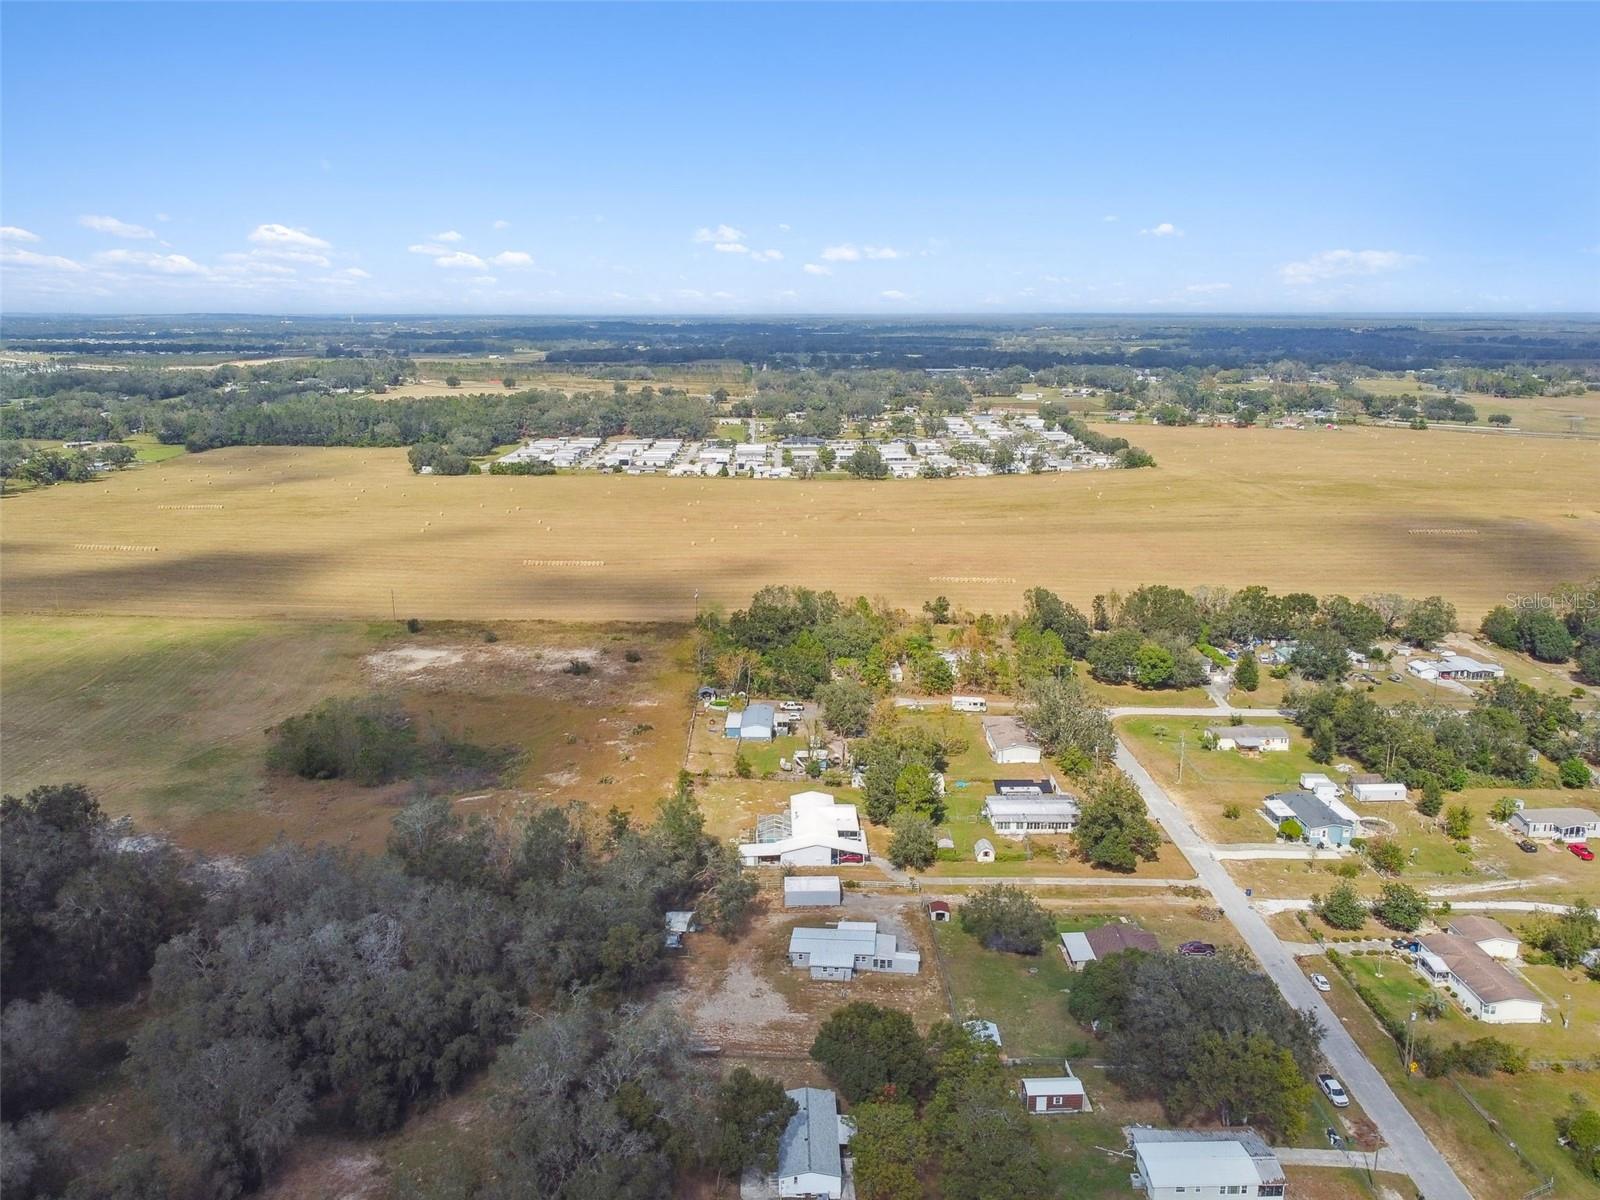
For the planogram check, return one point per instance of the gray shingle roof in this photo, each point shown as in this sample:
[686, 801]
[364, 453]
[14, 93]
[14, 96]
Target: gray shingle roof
[810, 1142]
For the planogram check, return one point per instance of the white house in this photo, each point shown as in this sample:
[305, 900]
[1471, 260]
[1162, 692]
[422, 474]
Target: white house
[1568, 824]
[812, 891]
[1253, 739]
[1454, 666]
[839, 951]
[810, 1159]
[1176, 1164]
[1484, 988]
[1019, 815]
[1008, 741]
[1493, 938]
[815, 832]
[1375, 789]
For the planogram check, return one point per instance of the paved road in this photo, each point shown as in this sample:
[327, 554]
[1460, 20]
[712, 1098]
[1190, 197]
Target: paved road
[1411, 1147]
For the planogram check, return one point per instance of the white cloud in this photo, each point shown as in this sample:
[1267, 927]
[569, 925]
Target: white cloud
[29, 258]
[1165, 229]
[355, 273]
[12, 233]
[767, 256]
[512, 258]
[115, 228]
[1110, 217]
[783, 228]
[723, 296]
[721, 233]
[816, 269]
[146, 260]
[1340, 264]
[501, 224]
[283, 235]
[849, 252]
[483, 280]
[731, 248]
[1208, 287]
[428, 248]
[449, 235]
[460, 259]
[689, 294]
[893, 294]
[163, 217]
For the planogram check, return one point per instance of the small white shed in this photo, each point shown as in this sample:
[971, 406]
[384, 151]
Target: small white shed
[983, 850]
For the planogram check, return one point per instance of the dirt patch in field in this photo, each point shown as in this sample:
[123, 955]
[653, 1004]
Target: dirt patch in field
[492, 667]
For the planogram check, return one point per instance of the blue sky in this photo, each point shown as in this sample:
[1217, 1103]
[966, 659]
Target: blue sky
[773, 158]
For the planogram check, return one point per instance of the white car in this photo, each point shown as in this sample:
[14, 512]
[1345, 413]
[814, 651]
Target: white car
[1334, 1090]
[1320, 982]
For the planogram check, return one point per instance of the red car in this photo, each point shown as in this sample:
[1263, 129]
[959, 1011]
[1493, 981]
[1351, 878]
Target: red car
[1581, 851]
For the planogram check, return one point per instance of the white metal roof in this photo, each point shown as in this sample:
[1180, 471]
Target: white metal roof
[811, 883]
[1063, 1085]
[1077, 947]
[1196, 1164]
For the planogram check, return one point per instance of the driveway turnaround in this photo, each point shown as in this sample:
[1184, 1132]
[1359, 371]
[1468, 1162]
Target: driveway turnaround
[1413, 1152]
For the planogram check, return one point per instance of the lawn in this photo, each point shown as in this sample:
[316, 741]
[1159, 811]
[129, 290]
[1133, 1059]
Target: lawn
[324, 532]
[1024, 995]
[1573, 1034]
[148, 450]
[1525, 1105]
[1212, 779]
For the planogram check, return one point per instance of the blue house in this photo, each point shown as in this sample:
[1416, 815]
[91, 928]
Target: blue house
[1324, 823]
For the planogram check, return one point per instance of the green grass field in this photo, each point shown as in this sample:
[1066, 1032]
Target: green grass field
[1525, 1107]
[1213, 779]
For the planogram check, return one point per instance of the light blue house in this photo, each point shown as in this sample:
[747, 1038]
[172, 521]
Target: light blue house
[1323, 822]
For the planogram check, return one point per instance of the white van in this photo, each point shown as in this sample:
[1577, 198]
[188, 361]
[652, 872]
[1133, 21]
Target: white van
[975, 704]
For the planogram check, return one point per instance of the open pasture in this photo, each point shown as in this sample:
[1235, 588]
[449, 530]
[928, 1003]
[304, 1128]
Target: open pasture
[352, 533]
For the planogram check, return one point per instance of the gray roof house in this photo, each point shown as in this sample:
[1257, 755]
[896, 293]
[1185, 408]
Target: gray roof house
[839, 951]
[1322, 822]
[1569, 824]
[809, 1159]
[1252, 739]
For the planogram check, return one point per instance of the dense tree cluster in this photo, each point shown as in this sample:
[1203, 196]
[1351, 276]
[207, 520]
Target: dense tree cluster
[1430, 748]
[1565, 626]
[323, 985]
[373, 739]
[930, 1110]
[1208, 1037]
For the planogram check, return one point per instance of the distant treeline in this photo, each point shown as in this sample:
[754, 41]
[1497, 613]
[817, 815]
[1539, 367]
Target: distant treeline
[985, 343]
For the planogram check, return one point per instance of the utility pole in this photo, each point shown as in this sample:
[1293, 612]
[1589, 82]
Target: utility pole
[1182, 746]
[394, 610]
[1411, 1027]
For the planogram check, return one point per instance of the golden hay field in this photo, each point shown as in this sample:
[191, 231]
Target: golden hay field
[262, 532]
